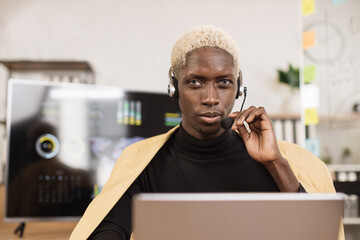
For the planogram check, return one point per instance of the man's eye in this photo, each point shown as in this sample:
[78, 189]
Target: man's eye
[225, 82]
[194, 82]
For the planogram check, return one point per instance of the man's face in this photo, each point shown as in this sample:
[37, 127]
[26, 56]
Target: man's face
[207, 89]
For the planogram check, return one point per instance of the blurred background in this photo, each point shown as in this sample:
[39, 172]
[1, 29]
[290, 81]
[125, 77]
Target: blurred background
[128, 43]
[300, 59]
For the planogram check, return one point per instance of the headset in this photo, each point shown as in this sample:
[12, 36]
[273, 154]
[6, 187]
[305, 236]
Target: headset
[174, 92]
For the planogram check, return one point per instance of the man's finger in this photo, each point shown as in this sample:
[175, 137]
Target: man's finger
[244, 114]
[258, 112]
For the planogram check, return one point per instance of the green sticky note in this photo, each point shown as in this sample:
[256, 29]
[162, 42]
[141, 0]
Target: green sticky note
[309, 74]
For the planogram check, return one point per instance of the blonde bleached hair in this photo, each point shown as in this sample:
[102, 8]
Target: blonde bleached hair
[200, 37]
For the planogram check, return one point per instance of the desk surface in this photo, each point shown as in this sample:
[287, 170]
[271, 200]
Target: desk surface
[33, 230]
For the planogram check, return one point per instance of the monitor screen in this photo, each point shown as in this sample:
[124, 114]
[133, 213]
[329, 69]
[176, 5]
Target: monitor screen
[63, 140]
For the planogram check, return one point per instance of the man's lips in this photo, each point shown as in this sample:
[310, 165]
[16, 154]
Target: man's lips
[210, 114]
[210, 117]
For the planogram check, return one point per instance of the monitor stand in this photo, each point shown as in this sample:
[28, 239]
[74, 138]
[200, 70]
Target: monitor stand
[21, 229]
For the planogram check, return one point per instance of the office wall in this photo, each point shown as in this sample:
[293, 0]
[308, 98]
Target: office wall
[336, 59]
[128, 43]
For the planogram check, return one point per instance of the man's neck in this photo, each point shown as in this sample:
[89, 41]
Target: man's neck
[201, 135]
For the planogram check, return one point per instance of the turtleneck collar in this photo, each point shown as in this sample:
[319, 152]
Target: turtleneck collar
[187, 144]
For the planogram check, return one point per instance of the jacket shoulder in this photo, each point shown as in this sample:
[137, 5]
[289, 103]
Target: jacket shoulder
[309, 169]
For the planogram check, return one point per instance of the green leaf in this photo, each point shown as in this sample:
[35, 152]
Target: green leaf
[290, 77]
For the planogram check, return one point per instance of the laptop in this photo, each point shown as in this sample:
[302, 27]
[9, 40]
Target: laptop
[230, 216]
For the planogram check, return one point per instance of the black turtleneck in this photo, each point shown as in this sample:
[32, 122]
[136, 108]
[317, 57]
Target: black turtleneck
[186, 164]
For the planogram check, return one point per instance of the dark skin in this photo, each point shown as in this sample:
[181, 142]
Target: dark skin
[207, 89]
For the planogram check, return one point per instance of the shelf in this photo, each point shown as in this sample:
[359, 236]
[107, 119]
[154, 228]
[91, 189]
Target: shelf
[344, 167]
[290, 116]
[351, 221]
[353, 116]
[46, 65]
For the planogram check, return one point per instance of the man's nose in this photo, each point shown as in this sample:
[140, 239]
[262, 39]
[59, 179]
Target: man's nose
[210, 95]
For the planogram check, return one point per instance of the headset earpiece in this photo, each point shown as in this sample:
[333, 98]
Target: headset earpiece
[173, 86]
[240, 84]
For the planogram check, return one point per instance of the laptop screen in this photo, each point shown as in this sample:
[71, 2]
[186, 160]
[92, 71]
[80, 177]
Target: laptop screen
[230, 216]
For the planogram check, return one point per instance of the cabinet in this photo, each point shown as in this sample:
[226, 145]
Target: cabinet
[347, 180]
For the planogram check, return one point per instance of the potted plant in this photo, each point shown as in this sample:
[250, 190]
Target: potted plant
[346, 155]
[290, 77]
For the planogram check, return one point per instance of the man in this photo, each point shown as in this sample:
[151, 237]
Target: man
[200, 155]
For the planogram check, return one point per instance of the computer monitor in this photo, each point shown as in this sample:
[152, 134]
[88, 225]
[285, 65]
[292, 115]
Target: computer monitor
[64, 138]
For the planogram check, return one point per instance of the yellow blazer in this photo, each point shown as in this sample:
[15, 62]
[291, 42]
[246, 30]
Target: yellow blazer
[309, 170]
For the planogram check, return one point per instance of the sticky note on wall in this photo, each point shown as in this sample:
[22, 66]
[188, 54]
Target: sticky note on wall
[337, 2]
[313, 146]
[308, 7]
[309, 74]
[308, 39]
[310, 96]
[311, 116]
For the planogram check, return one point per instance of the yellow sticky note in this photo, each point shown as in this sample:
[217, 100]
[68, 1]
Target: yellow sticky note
[308, 7]
[309, 73]
[308, 39]
[311, 116]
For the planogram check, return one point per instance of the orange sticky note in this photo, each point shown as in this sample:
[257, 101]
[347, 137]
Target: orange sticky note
[311, 116]
[307, 7]
[308, 39]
